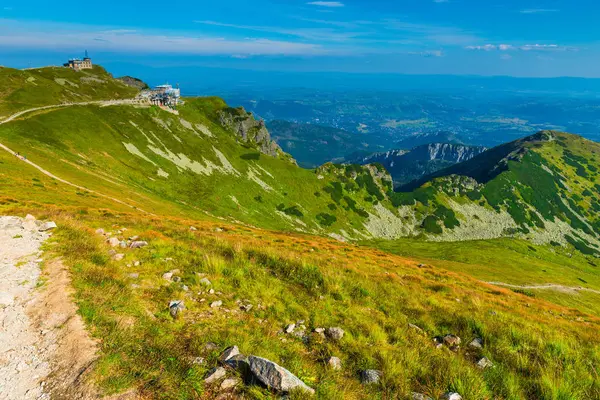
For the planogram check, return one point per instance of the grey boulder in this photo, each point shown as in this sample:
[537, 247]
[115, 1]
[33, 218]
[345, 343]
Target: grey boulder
[370, 376]
[275, 376]
[335, 333]
[176, 307]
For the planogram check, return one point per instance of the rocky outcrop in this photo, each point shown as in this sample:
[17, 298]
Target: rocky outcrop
[134, 82]
[251, 131]
[275, 376]
[407, 165]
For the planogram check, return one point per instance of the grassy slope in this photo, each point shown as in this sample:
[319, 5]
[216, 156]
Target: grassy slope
[541, 350]
[86, 145]
[514, 262]
[23, 89]
[370, 294]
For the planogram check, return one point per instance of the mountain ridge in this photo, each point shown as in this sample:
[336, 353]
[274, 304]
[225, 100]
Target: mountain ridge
[408, 165]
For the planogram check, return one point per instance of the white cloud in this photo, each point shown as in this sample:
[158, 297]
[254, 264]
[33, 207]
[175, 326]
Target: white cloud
[25, 35]
[525, 47]
[538, 11]
[330, 4]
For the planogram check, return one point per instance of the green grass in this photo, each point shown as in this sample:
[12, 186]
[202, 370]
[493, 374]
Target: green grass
[511, 261]
[371, 295]
[544, 344]
[24, 89]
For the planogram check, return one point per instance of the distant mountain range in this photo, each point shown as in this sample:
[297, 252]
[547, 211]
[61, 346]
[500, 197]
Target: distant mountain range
[408, 165]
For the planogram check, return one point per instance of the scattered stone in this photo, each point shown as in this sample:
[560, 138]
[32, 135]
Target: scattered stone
[137, 264]
[185, 288]
[419, 396]
[47, 226]
[211, 291]
[451, 341]
[134, 238]
[216, 304]
[113, 241]
[290, 328]
[198, 361]
[335, 333]
[275, 376]
[218, 229]
[134, 275]
[112, 252]
[246, 307]
[229, 353]
[176, 279]
[476, 343]
[452, 396]
[415, 328]
[210, 346]
[176, 307]
[138, 244]
[99, 231]
[205, 282]
[167, 276]
[484, 363]
[123, 244]
[239, 362]
[118, 257]
[193, 228]
[214, 375]
[370, 376]
[335, 363]
[230, 383]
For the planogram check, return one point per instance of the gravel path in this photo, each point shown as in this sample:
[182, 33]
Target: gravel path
[23, 365]
[549, 286]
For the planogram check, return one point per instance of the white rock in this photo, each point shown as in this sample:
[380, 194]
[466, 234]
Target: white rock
[47, 226]
[214, 375]
[230, 383]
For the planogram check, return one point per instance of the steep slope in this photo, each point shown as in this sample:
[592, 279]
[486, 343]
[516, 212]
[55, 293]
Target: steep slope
[408, 165]
[23, 89]
[202, 161]
[543, 188]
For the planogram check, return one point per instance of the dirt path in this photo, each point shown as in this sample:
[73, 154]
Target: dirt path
[549, 286]
[23, 367]
[44, 347]
[47, 173]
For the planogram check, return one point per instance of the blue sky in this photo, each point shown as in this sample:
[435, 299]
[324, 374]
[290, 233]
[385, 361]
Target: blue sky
[539, 38]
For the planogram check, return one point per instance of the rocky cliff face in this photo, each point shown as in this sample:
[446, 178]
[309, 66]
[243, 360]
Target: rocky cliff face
[251, 131]
[407, 165]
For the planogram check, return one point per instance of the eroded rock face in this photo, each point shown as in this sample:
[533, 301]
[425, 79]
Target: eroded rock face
[275, 376]
[249, 130]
